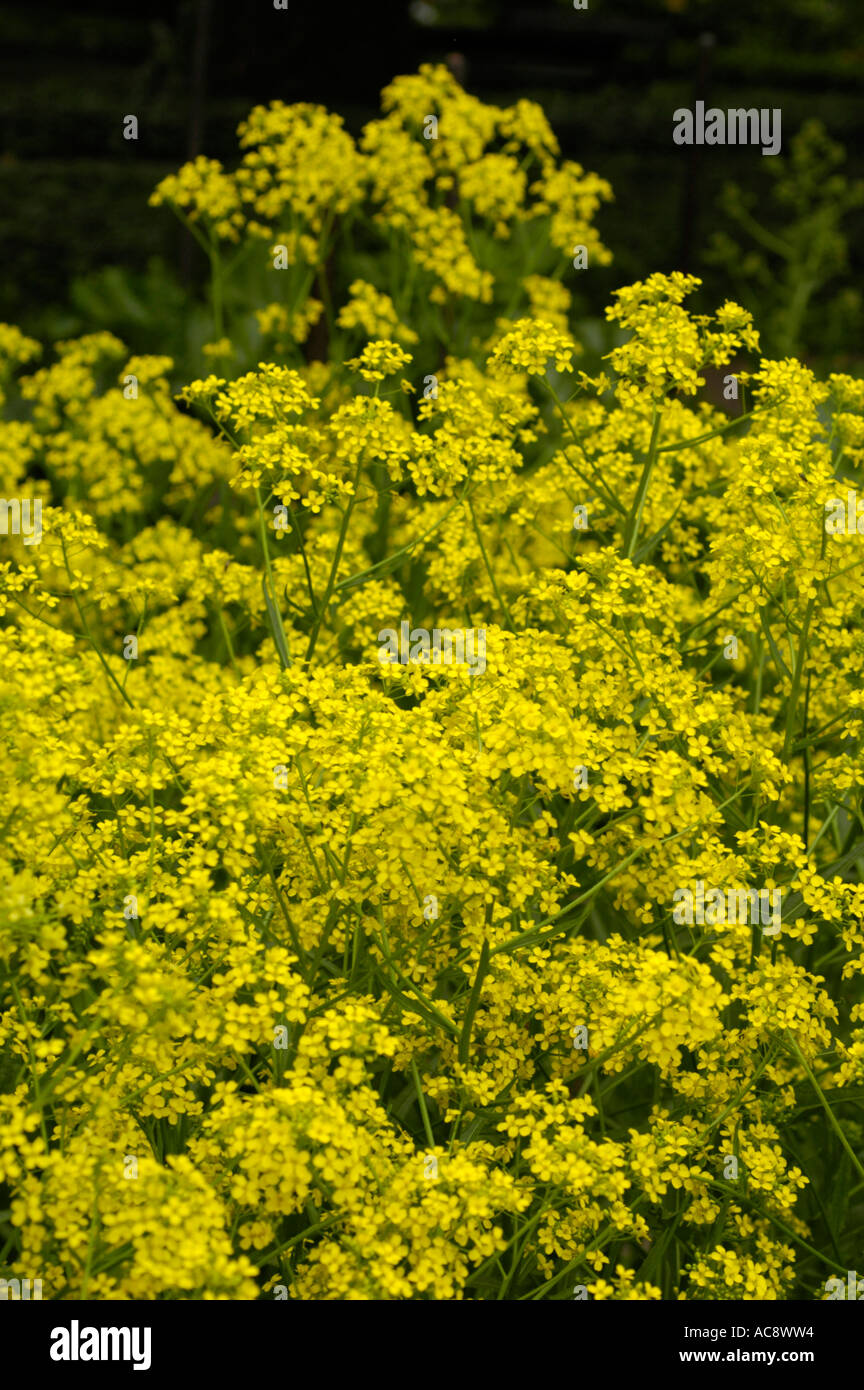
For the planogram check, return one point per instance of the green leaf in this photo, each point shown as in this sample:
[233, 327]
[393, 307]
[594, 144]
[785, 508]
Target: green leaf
[275, 620]
[474, 1000]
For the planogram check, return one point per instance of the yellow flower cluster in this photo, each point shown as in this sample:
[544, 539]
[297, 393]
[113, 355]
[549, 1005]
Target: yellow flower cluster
[373, 313]
[328, 977]
[447, 182]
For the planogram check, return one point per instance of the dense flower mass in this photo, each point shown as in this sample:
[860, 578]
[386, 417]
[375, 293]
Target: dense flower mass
[325, 977]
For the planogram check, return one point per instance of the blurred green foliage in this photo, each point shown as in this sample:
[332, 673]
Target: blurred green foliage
[73, 193]
[790, 262]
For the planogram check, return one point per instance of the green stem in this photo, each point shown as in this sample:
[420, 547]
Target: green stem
[635, 518]
[421, 1101]
[832, 1119]
[503, 606]
[334, 568]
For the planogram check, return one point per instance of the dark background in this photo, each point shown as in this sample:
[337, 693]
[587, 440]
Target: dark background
[73, 192]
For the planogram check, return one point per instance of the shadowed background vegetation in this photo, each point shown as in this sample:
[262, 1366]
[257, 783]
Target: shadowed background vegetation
[82, 251]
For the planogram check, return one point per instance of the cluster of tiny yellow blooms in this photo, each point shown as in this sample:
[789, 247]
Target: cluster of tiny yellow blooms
[379, 359]
[436, 167]
[278, 324]
[325, 977]
[374, 314]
